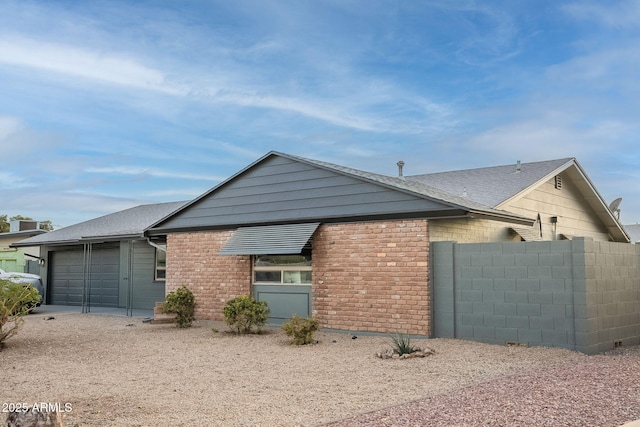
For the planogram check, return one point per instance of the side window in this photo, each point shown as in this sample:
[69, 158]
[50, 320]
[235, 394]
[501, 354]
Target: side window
[161, 265]
[282, 269]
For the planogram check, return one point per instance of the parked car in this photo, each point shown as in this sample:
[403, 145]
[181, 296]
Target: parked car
[26, 278]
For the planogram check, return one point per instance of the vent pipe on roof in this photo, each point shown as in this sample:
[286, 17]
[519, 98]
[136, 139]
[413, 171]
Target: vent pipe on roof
[518, 166]
[400, 166]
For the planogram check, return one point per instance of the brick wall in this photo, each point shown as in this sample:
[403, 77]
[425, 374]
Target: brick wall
[193, 261]
[372, 276]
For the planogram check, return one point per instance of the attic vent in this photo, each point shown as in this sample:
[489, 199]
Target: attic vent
[558, 182]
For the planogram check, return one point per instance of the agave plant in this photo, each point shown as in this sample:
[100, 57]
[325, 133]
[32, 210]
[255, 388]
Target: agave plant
[402, 344]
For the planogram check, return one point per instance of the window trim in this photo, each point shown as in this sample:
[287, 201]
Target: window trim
[282, 269]
[156, 268]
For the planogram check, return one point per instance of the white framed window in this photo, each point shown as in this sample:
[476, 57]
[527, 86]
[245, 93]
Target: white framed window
[161, 266]
[282, 269]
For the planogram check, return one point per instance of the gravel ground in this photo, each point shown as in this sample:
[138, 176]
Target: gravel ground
[119, 371]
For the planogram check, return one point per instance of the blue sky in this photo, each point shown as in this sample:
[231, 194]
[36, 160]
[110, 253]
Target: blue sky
[110, 104]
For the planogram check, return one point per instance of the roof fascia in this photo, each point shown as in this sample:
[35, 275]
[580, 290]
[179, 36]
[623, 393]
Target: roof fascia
[602, 204]
[49, 243]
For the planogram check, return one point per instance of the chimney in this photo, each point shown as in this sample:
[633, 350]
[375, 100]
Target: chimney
[400, 166]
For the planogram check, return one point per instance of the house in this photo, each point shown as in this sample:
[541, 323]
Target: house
[354, 248]
[25, 259]
[558, 195]
[105, 262]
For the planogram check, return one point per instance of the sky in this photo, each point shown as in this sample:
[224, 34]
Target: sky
[106, 105]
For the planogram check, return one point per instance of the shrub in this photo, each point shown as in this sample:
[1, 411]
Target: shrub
[16, 300]
[402, 344]
[244, 312]
[183, 304]
[301, 330]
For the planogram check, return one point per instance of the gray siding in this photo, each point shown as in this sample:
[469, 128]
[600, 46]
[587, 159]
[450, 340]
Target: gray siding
[579, 294]
[281, 189]
[144, 291]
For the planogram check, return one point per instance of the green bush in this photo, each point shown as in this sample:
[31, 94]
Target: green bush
[300, 329]
[183, 304]
[401, 344]
[244, 312]
[16, 300]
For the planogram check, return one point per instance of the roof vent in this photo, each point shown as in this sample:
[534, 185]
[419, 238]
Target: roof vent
[518, 166]
[400, 166]
[558, 182]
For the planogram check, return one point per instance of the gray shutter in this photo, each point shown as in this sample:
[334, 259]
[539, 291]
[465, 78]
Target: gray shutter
[269, 239]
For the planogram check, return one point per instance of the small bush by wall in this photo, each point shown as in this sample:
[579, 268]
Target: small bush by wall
[300, 329]
[181, 302]
[243, 313]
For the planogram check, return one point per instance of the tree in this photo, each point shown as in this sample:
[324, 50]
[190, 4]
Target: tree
[4, 223]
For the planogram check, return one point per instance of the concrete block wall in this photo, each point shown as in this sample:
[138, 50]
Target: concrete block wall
[571, 294]
[608, 301]
[372, 276]
[193, 261]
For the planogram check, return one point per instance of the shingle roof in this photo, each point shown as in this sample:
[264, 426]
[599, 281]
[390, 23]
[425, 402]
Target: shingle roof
[490, 186]
[414, 186]
[126, 223]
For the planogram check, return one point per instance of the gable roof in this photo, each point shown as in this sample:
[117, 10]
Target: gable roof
[414, 186]
[282, 188]
[125, 224]
[496, 186]
[492, 186]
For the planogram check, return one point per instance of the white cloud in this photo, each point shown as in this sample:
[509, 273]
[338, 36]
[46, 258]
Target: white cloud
[620, 14]
[101, 66]
[544, 138]
[158, 173]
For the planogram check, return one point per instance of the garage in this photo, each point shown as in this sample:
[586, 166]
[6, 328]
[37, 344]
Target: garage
[68, 272]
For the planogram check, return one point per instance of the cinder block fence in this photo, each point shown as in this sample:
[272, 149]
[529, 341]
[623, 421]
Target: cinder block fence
[577, 294]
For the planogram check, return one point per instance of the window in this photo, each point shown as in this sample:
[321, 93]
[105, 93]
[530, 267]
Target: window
[282, 269]
[161, 265]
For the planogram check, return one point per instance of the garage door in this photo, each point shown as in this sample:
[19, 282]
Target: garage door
[67, 272]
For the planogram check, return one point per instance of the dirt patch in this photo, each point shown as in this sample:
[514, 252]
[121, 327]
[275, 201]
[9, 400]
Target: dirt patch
[119, 371]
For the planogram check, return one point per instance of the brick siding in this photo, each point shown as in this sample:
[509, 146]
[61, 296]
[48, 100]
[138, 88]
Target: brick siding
[372, 276]
[193, 261]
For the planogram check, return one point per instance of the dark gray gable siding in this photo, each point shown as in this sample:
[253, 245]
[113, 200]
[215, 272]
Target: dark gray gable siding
[280, 190]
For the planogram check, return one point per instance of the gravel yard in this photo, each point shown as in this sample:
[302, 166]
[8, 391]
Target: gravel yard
[119, 371]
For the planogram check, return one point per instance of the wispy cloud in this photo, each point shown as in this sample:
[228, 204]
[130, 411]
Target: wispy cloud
[144, 171]
[101, 66]
[614, 14]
